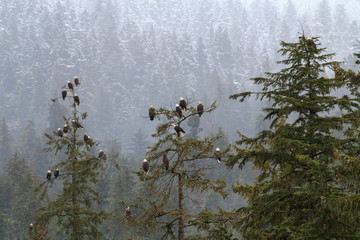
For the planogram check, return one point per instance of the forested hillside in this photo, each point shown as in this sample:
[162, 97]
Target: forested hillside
[128, 55]
[131, 54]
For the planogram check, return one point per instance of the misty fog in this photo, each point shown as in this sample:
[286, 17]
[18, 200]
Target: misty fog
[131, 54]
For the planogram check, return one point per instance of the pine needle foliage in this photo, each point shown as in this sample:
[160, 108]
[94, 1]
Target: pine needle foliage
[348, 171]
[21, 199]
[297, 181]
[163, 207]
[74, 208]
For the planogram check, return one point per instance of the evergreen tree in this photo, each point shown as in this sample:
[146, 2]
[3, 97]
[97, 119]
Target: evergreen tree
[290, 13]
[5, 190]
[194, 124]
[358, 56]
[74, 208]
[125, 188]
[109, 171]
[31, 148]
[139, 144]
[323, 19]
[297, 170]
[168, 192]
[23, 202]
[55, 117]
[348, 157]
[6, 143]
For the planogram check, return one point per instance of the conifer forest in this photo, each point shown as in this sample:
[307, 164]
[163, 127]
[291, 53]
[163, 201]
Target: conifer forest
[179, 119]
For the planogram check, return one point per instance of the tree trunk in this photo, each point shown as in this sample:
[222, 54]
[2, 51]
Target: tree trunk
[181, 203]
[75, 235]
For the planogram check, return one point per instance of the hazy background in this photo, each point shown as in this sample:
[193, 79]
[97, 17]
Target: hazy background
[129, 54]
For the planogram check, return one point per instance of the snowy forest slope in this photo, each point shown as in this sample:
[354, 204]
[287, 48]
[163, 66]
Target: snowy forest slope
[130, 54]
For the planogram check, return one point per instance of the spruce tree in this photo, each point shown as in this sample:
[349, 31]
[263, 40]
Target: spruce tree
[348, 156]
[121, 192]
[6, 143]
[73, 210]
[31, 148]
[22, 200]
[297, 180]
[358, 56]
[168, 204]
[139, 143]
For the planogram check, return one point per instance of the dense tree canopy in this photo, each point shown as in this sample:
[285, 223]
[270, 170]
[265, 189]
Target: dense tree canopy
[299, 174]
[177, 177]
[74, 208]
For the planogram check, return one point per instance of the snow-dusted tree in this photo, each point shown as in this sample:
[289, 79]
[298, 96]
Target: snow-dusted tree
[74, 209]
[6, 143]
[164, 206]
[298, 173]
[23, 202]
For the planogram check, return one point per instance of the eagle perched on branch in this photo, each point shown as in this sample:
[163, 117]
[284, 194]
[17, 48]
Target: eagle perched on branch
[310, 42]
[152, 112]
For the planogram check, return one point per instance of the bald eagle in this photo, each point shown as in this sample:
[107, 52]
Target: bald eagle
[182, 104]
[178, 130]
[178, 110]
[310, 42]
[86, 138]
[60, 133]
[63, 94]
[200, 109]
[128, 212]
[166, 162]
[76, 81]
[77, 124]
[65, 129]
[31, 226]
[70, 85]
[56, 173]
[218, 155]
[152, 112]
[48, 175]
[76, 99]
[145, 166]
[101, 153]
[336, 69]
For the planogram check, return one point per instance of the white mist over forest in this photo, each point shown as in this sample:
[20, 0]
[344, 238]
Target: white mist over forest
[133, 54]
[130, 54]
